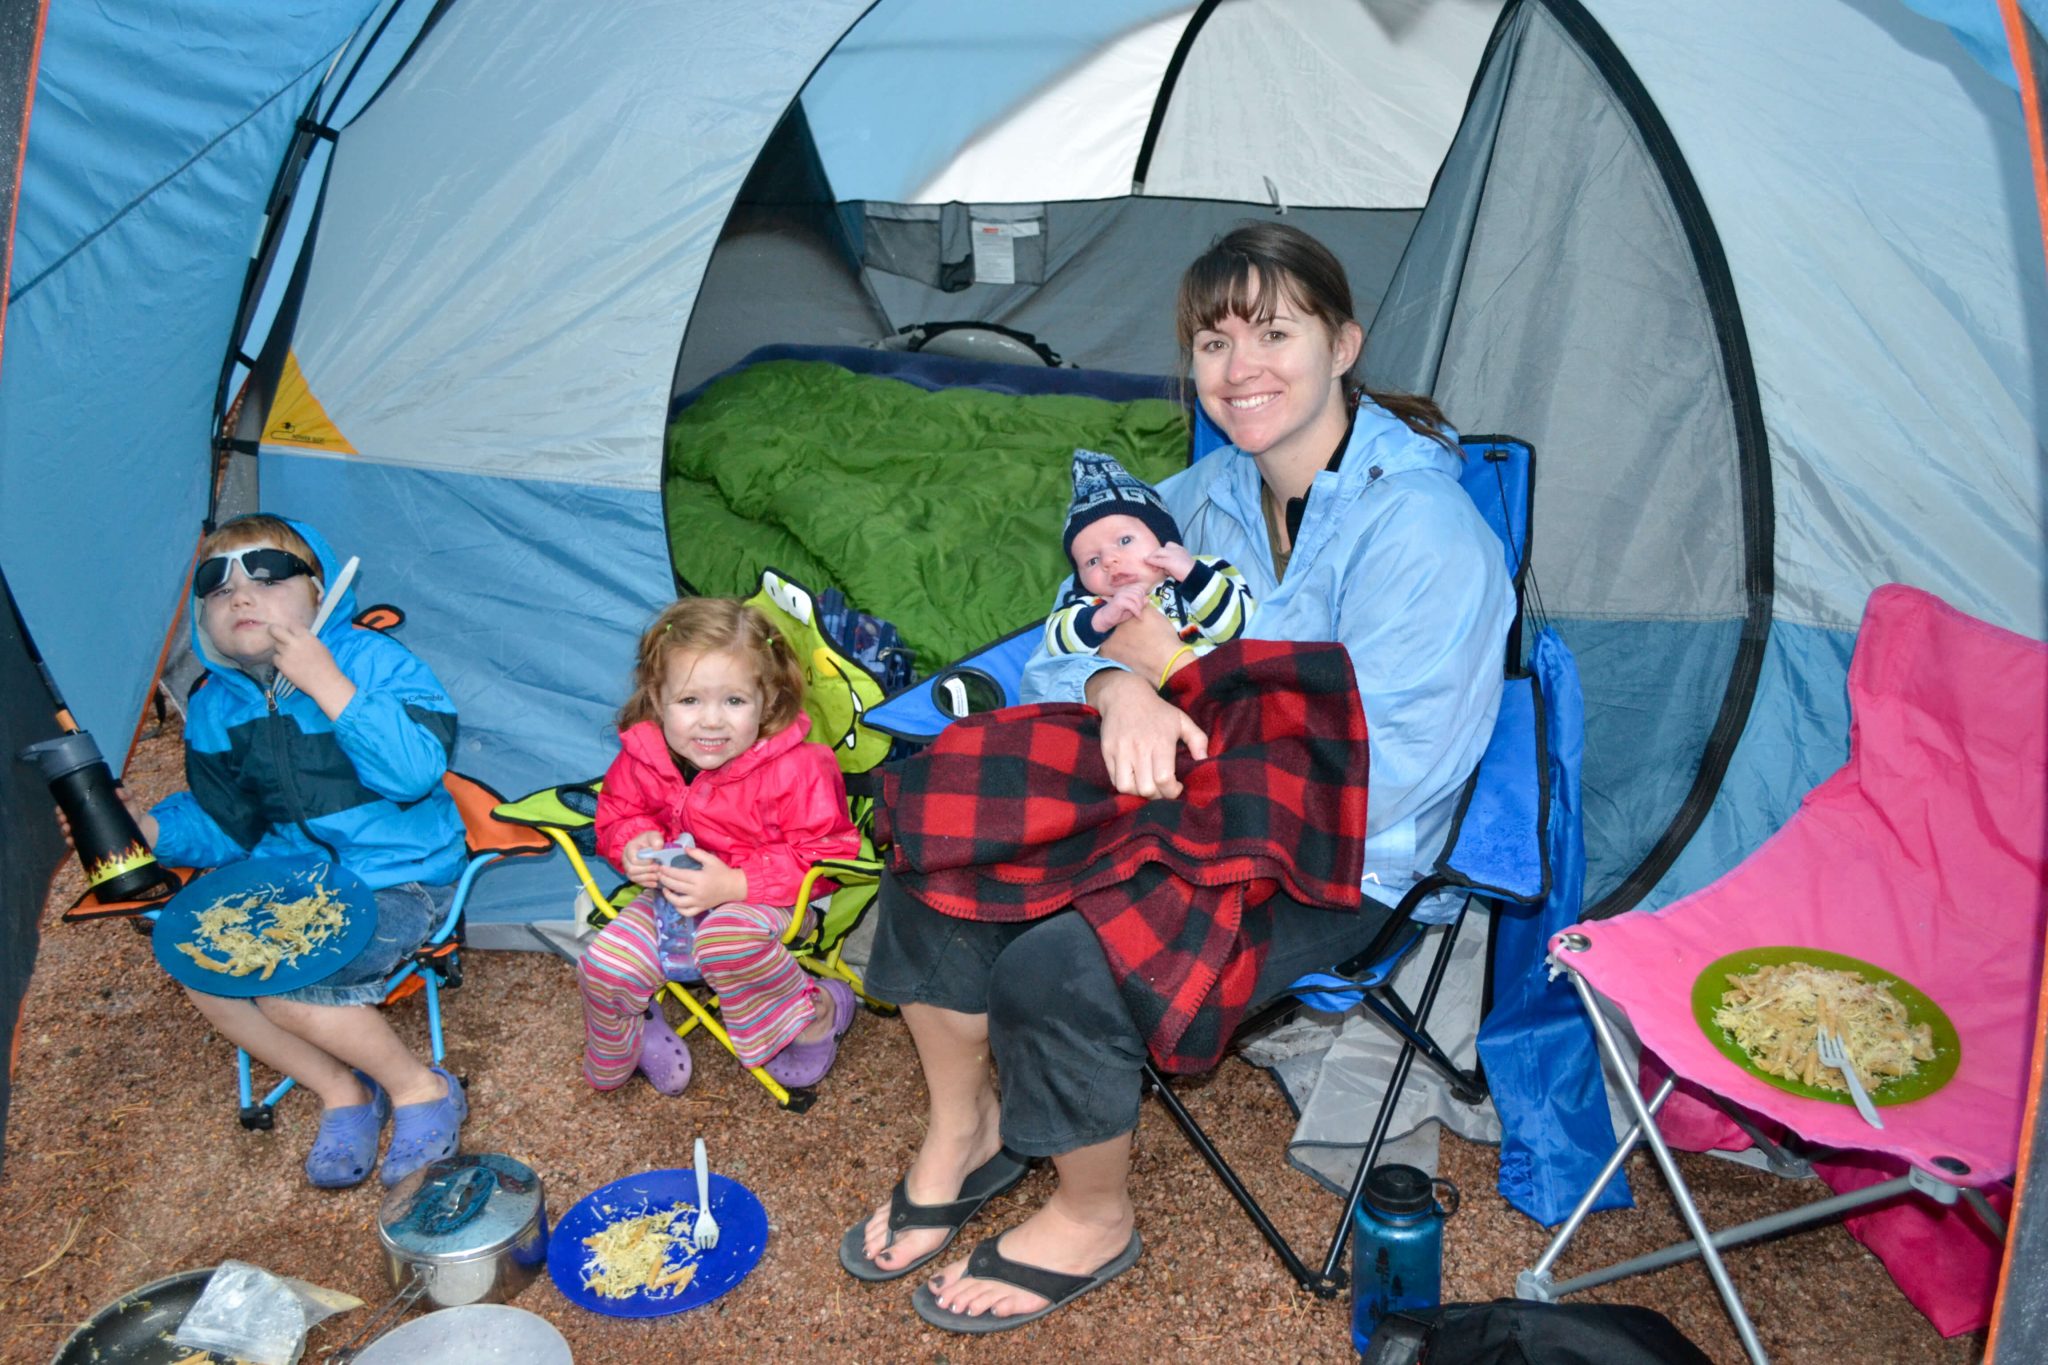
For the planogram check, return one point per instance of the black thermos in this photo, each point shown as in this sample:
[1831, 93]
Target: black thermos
[118, 864]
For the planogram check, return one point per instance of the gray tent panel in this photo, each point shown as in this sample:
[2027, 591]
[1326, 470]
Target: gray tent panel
[1576, 280]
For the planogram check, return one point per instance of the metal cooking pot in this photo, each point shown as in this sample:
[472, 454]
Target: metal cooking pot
[466, 1229]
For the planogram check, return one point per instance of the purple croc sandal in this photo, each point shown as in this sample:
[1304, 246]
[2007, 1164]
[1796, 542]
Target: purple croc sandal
[345, 1148]
[664, 1058]
[805, 1064]
[424, 1132]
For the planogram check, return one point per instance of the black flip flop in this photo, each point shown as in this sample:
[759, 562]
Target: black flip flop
[1056, 1287]
[998, 1174]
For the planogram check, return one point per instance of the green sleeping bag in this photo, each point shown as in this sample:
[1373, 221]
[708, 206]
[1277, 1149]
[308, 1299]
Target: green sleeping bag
[940, 511]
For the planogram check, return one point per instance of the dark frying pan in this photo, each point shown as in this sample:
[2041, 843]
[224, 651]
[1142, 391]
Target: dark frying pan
[136, 1329]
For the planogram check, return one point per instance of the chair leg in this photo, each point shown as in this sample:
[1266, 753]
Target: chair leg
[1321, 1286]
[1410, 1048]
[795, 1101]
[1646, 1121]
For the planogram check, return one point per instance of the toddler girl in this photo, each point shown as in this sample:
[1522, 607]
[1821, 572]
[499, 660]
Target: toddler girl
[711, 746]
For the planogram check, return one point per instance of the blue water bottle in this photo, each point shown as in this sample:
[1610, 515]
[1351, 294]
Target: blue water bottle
[1397, 1255]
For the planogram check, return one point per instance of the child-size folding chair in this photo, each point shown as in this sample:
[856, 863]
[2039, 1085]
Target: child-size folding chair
[1922, 863]
[1497, 851]
[435, 964]
[837, 694]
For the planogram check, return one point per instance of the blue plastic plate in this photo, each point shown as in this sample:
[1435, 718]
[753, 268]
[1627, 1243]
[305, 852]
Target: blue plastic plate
[290, 878]
[742, 1238]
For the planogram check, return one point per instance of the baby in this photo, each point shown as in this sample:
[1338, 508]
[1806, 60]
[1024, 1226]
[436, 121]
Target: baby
[1127, 555]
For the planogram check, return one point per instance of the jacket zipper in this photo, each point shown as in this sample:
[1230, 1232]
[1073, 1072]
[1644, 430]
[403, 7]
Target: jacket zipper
[295, 807]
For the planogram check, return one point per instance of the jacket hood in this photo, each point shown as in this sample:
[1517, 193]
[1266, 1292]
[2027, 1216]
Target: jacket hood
[339, 620]
[646, 743]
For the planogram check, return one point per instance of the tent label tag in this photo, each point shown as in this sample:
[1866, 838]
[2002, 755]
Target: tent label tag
[995, 250]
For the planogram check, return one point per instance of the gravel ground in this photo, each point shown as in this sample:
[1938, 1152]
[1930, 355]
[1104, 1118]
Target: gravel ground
[124, 1163]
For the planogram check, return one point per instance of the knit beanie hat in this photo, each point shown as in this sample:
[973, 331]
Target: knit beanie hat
[1104, 488]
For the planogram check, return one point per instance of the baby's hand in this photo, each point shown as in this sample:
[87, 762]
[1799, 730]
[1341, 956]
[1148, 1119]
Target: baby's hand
[692, 891]
[1173, 560]
[638, 869]
[1123, 605]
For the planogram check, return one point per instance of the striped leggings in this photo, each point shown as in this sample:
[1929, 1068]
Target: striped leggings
[764, 998]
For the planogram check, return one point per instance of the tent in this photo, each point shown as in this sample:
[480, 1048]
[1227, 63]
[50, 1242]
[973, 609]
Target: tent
[1763, 284]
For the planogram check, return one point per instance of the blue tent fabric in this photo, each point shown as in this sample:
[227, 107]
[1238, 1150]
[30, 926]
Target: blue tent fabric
[1536, 1045]
[152, 145]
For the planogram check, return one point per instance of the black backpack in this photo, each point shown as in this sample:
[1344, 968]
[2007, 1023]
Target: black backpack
[1513, 1332]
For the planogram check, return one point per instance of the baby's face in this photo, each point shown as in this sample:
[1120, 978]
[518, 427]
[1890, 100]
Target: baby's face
[1110, 554]
[237, 616]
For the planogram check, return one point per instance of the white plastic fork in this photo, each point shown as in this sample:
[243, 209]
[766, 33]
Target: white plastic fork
[706, 1231]
[1834, 1053]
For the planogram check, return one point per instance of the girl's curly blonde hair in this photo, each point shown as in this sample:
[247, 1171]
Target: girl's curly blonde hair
[716, 625]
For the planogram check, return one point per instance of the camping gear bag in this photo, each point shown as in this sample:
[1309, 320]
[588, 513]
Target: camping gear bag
[1512, 1332]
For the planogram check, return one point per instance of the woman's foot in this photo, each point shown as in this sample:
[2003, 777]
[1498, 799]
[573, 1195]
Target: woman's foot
[811, 1054]
[664, 1058]
[1063, 1236]
[935, 1177]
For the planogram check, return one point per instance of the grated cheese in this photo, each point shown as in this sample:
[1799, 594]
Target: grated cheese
[1774, 1013]
[631, 1256]
[296, 927]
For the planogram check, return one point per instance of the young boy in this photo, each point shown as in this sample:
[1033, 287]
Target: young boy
[1127, 555]
[329, 746]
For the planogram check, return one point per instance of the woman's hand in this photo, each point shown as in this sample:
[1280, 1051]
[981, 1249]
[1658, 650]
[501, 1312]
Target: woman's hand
[1142, 734]
[641, 871]
[1145, 644]
[692, 891]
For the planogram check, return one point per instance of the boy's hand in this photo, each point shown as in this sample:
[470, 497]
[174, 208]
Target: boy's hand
[1172, 559]
[1123, 605]
[692, 891]
[639, 870]
[308, 666]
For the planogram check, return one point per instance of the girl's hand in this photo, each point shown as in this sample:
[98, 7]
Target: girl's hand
[1173, 560]
[1141, 734]
[639, 870]
[1144, 644]
[692, 891]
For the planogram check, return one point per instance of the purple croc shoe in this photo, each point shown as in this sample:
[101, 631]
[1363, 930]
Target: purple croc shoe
[805, 1064]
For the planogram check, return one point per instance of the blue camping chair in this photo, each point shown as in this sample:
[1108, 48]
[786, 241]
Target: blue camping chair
[1497, 850]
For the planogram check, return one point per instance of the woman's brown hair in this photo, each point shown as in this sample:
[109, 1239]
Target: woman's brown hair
[716, 625]
[1251, 271]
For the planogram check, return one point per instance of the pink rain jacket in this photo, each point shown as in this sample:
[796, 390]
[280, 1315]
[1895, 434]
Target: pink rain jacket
[771, 813]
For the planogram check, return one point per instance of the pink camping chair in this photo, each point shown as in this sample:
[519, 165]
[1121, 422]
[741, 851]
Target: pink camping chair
[1924, 857]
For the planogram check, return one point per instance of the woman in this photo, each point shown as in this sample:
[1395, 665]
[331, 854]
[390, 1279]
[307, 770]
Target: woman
[1343, 511]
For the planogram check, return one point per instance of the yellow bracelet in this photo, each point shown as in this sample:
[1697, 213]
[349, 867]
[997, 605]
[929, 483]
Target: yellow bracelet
[1167, 671]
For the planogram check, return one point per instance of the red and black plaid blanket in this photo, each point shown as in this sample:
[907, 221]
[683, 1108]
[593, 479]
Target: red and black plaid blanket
[1011, 816]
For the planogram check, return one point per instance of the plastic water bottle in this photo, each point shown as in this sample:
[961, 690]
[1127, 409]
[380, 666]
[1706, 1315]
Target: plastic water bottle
[1397, 1256]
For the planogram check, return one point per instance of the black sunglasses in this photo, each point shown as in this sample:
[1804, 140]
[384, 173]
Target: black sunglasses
[261, 563]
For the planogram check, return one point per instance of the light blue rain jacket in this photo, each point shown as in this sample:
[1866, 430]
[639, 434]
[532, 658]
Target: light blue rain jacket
[1395, 562]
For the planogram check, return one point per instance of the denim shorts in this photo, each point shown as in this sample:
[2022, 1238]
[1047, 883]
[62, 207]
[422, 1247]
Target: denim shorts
[406, 915]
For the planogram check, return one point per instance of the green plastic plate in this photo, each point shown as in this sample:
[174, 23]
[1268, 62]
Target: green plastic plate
[1712, 983]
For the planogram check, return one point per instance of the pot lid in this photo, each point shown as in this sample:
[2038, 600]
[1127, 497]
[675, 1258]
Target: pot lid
[462, 1206]
[475, 1334]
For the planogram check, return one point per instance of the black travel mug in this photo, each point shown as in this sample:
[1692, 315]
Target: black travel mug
[117, 861]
